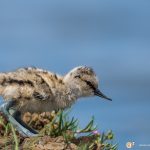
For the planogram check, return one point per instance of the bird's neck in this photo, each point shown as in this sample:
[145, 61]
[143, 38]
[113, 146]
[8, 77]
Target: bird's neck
[72, 87]
[64, 91]
[67, 95]
[64, 98]
[73, 90]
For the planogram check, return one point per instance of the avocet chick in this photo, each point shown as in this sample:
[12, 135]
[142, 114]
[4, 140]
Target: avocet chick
[37, 90]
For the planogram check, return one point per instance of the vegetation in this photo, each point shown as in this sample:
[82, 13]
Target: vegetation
[56, 131]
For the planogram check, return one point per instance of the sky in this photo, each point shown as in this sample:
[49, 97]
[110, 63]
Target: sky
[113, 37]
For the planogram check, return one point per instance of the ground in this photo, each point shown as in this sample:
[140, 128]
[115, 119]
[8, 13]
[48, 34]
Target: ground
[56, 132]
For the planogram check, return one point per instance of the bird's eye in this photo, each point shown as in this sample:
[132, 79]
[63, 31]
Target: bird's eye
[77, 76]
[90, 84]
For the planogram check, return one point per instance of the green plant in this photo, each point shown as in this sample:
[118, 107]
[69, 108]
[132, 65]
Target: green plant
[62, 126]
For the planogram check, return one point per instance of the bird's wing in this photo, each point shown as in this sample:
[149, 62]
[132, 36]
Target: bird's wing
[24, 83]
[41, 96]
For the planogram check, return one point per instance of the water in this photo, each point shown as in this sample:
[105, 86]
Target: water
[113, 38]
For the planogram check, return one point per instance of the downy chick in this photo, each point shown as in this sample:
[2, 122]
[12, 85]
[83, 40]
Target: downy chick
[37, 90]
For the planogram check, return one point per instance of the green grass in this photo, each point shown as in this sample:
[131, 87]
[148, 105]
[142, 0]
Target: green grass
[61, 125]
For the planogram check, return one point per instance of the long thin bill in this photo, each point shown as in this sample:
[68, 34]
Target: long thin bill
[100, 94]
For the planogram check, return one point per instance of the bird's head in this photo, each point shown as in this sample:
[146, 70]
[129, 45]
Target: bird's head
[84, 82]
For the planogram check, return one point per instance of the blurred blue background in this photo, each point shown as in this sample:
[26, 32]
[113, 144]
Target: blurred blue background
[113, 37]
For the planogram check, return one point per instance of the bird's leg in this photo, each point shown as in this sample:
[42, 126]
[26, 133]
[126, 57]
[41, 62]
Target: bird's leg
[21, 129]
[17, 116]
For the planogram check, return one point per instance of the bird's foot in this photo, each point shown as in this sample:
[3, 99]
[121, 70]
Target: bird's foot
[22, 130]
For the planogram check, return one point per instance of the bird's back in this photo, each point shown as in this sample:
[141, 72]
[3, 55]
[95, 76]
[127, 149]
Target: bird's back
[25, 82]
[32, 88]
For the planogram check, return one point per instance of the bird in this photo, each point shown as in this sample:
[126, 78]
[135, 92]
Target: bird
[36, 90]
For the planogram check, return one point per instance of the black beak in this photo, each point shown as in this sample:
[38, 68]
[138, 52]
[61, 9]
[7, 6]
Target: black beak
[97, 92]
